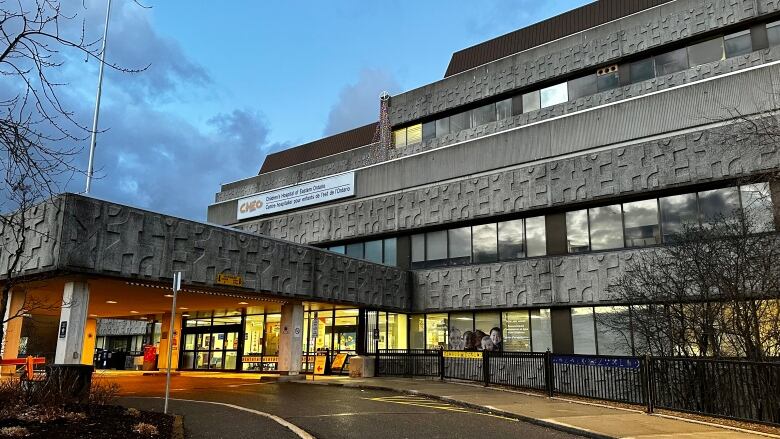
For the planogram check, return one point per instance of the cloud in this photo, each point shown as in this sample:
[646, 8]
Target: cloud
[358, 103]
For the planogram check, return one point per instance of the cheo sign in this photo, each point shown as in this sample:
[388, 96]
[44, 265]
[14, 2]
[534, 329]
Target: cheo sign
[292, 197]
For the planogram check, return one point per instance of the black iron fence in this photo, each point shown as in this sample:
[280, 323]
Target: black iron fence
[725, 388]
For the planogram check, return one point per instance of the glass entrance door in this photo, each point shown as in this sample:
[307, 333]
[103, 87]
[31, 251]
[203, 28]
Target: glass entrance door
[213, 350]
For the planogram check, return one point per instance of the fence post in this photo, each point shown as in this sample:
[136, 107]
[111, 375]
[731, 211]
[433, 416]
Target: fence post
[548, 374]
[441, 364]
[486, 367]
[647, 381]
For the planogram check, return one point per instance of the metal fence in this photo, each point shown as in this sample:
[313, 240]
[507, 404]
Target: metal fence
[725, 388]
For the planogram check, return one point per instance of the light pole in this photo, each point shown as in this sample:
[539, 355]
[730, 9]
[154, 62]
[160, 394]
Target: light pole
[176, 288]
[93, 140]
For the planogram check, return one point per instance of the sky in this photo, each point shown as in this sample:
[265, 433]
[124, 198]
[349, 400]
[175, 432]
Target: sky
[222, 84]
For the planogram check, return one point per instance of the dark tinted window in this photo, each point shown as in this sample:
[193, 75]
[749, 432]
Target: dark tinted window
[484, 242]
[460, 121]
[608, 81]
[442, 126]
[355, 250]
[429, 130]
[773, 33]
[640, 219]
[389, 256]
[671, 62]
[373, 251]
[418, 247]
[517, 105]
[677, 211]
[737, 44]
[436, 245]
[642, 70]
[504, 109]
[510, 240]
[484, 114]
[581, 87]
[338, 249]
[706, 52]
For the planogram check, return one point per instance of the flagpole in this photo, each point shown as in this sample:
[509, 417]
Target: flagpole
[93, 140]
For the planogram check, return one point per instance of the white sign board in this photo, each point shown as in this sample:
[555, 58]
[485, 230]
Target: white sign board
[292, 197]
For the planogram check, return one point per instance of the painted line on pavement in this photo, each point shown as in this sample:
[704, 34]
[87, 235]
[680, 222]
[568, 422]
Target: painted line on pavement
[433, 404]
[301, 433]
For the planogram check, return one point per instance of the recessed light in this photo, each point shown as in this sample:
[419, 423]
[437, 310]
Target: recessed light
[111, 301]
[144, 318]
[133, 312]
[169, 295]
[243, 303]
[93, 315]
[183, 307]
[185, 315]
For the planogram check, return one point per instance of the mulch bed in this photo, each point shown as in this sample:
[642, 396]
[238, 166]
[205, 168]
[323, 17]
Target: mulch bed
[101, 421]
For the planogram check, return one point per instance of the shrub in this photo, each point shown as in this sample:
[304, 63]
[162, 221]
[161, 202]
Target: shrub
[14, 431]
[133, 412]
[145, 429]
[103, 392]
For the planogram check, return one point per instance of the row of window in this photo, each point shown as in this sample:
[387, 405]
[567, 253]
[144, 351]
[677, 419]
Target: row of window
[380, 251]
[606, 78]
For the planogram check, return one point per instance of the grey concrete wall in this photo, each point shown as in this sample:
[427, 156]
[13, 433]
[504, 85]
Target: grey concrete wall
[40, 252]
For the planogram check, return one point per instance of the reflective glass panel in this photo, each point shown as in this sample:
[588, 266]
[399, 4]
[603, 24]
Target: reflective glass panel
[461, 332]
[390, 252]
[517, 331]
[399, 137]
[504, 109]
[554, 95]
[642, 70]
[671, 62]
[608, 81]
[484, 114]
[418, 247]
[719, 205]
[429, 130]
[581, 87]
[396, 331]
[442, 126]
[510, 240]
[436, 245]
[485, 243]
[460, 121]
[531, 102]
[373, 251]
[706, 51]
[577, 231]
[757, 206]
[535, 236]
[338, 249]
[417, 331]
[414, 134]
[487, 327]
[272, 334]
[738, 43]
[583, 331]
[355, 250]
[541, 330]
[773, 33]
[677, 211]
[606, 227]
[460, 243]
[436, 331]
[613, 330]
[253, 335]
[641, 223]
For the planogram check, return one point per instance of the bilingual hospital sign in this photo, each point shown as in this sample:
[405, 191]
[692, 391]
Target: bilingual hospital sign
[292, 197]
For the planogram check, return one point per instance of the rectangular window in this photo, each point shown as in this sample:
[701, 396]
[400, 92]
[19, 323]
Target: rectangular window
[677, 213]
[671, 62]
[396, 331]
[737, 44]
[484, 114]
[460, 122]
[719, 205]
[414, 134]
[338, 249]
[442, 126]
[541, 330]
[706, 52]
[517, 105]
[487, 327]
[461, 331]
[531, 102]
[577, 231]
[606, 227]
[429, 130]
[535, 236]
[355, 250]
[484, 243]
[640, 219]
[373, 251]
[460, 244]
[613, 330]
[399, 138]
[517, 331]
[757, 207]
[511, 243]
[417, 331]
[609, 79]
[557, 94]
[773, 33]
[418, 247]
[642, 70]
[504, 109]
[580, 87]
[436, 331]
[389, 255]
[436, 246]
[583, 330]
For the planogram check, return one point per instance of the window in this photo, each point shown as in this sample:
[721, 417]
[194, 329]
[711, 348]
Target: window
[608, 78]
[577, 231]
[642, 70]
[436, 331]
[581, 87]
[517, 331]
[487, 328]
[485, 243]
[584, 331]
[436, 245]
[399, 137]
[613, 330]
[484, 114]
[338, 249]
[460, 121]
[554, 95]
[429, 130]
[414, 134]
[396, 331]
[517, 105]
[757, 206]
[535, 236]
[718, 205]
[531, 101]
[418, 248]
[390, 252]
[739, 43]
[510, 240]
[504, 109]
[442, 126]
[460, 244]
[461, 331]
[671, 62]
[706, 52]
[640, 219]
[676, 212]
[417, 331]
[773, 33]
[606, 227]
[355, 250]
[373, 251]
[541, 330]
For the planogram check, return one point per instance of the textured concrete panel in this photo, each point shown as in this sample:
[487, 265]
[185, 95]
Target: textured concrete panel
[39, 243]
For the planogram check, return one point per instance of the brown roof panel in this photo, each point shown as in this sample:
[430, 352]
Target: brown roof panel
[320, 148]
[576, 20]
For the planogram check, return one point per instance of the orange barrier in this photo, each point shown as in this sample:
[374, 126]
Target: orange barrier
[28, 363]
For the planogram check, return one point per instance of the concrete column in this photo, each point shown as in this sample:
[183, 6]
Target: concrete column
[90, 337]
[12, 331]
[162, 358]
[291, 338]
[73, 323]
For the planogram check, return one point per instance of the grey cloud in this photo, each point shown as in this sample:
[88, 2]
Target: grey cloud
[358, 103]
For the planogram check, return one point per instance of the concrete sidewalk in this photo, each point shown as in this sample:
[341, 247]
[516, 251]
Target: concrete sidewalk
[588, 419]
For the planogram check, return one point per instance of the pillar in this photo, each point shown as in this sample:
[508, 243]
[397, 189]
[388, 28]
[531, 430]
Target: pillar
[12, 330]
[562, 337]
[73, 323]
[162, 354]
[90, 337]
[291, 338]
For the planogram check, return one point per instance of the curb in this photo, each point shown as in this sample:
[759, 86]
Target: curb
[178, 427]
[489, 410]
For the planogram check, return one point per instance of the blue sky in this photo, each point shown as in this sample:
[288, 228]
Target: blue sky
[229, 82]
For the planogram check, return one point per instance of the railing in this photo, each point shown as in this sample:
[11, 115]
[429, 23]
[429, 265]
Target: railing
[726, 388]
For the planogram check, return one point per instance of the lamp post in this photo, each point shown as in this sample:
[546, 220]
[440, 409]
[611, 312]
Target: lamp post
[176, 288]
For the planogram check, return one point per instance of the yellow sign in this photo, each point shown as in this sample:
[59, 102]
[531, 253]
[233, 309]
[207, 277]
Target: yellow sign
[319, 364]
[463, 354]
[230, 280]
[338, 362]
[253, 359]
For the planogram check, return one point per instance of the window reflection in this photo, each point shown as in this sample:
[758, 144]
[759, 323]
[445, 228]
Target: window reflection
[460, 121]
[436, 331]
[436, 245]
[757, 205]
[531, 102]
[676, 212]
[577, 231]
[671, 62]
[535, 236]
[460, 244]
[510, 240]
[541, 330]
[485, 243]
[461, 331]
[557, 94]
[418, 247]
[484, 114]
[373, 251]
[606, 227]
[642, 70]
[390, 256]
[706, 52]
[641, 223]
[583, 330]
[718, 205]
[739, 43]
